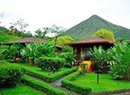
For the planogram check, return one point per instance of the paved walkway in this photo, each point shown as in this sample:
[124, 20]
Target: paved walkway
[58, 84]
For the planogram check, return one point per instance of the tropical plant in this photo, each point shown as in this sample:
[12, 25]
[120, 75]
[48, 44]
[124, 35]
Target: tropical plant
[36, 50]
[68, 57]
[13, 52]
[100, 60]
[28, 53]
[121, 67]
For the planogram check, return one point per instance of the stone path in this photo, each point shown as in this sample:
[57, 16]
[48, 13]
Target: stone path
[58, 84]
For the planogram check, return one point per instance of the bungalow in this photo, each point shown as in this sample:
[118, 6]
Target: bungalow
[82, 47]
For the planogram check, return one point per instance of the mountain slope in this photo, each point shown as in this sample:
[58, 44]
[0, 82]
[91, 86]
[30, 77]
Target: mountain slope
[86, 28]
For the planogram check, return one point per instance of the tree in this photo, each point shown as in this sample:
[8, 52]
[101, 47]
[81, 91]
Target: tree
[18, 28]
[42, 33]
[62, 40]
[104, 33]
[21, 24]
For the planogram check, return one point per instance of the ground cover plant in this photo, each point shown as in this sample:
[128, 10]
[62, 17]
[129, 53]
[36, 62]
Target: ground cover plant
[21, 89]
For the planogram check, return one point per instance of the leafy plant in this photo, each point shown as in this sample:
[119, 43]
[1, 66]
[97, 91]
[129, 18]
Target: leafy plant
[121, 67]
[100, 60]
[68, 57]
[50, 63]
[36, 50]
[10, 75]
[13, 52]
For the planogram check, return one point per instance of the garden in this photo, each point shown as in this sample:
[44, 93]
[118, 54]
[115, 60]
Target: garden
[110, 76]
[35, 66]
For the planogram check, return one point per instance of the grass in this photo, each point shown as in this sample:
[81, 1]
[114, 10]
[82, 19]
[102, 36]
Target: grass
[106, 83]
[21, 89]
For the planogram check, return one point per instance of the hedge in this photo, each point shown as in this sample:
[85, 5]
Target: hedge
[10, 75]
[49, 63]
[67, 82]
[49, 78]
[42, 86]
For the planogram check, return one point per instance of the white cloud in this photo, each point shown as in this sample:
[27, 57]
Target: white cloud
[66, 13]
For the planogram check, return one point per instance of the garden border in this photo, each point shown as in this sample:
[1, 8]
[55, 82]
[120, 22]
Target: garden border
[47, 78]
[66, 82]
[42, 86]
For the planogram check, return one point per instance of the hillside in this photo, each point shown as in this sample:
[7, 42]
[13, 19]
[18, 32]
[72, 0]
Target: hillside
[86, 28]
[5, 36]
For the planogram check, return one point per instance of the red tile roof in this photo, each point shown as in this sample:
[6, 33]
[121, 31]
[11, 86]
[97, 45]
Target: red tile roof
[91, 41]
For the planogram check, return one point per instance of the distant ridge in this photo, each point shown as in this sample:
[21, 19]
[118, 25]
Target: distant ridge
[86, 28]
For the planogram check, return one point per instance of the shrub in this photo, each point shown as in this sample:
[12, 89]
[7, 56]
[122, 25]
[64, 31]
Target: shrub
[49, 77]
[100, 59]
[10, 75]
[43, 86]
[68, 57]
[67, 82]
[49, 63]
[120, 69]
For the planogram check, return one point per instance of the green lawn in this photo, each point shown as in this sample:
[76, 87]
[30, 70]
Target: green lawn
[106, 82]
[21, 89]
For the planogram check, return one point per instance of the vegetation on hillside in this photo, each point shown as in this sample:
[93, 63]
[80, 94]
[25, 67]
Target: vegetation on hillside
[87, 28]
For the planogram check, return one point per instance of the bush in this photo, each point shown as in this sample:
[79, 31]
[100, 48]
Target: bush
[74, 87]
[49, 77]
[49, 63]
[100, 57]
[40, 85]
[120, 69]
[10, 75]
[68, 57]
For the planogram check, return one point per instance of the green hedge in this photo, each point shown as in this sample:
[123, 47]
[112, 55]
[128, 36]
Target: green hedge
[49, 63]
[67, 82]
[42, 86]
[45, 75]
[10, 75]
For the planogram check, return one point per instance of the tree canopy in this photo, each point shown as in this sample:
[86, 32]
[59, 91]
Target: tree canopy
[104, 33]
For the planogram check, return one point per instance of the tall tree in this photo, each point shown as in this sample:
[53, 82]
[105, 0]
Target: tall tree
[56, 31]
[104, 33]
[41, 33]
[18, 28]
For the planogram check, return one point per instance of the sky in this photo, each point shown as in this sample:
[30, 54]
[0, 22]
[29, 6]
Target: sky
[66, 13]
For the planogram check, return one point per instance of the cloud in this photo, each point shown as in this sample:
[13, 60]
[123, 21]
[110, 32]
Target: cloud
[66, 13]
